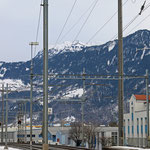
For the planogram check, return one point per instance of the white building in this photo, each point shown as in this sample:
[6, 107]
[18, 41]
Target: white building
[106, 136]
[135, 122]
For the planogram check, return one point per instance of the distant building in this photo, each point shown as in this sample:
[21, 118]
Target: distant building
[104, 136]
[135, 122]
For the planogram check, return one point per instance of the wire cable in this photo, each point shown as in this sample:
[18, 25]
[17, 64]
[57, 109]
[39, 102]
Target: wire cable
[105, 24]
[102, 27]
[138, 24]
[73, 26]
[115, 37]
[85, 21]
[66, 21]
[38, 27]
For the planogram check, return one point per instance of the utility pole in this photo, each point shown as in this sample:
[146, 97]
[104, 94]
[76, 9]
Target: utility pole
[45, 75]
[120, 71]
[147, 100]
[82, 106]
[25, 117]
[31, 89]
[2, 125]
[6, 119]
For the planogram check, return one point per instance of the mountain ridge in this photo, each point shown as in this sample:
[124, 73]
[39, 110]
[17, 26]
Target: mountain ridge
[96, 59]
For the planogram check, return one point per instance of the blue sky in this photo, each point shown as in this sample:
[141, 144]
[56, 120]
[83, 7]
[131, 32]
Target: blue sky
[19, 20]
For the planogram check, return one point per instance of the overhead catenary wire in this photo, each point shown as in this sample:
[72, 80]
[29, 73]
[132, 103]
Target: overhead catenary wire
[74, 25]
[105, 24]
[142, 7]
[138, 24]
[38, 26]
[115, 37]
[85, 21]
[66, 22]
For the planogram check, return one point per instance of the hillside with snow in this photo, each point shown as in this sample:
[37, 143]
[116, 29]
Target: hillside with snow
[71, 59]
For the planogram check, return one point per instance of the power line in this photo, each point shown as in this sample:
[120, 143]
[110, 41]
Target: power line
[38, 27]
[142, 7]
[66, 21]
[71, 28]
[138, 24]
[105, 24]
[102, 27]
[115, 37]
[85, 21]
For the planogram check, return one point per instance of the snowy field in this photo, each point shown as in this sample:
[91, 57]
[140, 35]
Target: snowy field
[128, 148]
[9, 148]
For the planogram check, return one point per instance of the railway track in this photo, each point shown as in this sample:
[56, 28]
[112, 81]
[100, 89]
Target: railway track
[39, 147]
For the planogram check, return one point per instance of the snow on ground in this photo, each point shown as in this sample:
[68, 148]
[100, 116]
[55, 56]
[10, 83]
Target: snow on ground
[14, 84]
[3, 70]
[111, 46]
[9, 148]
[74, 93]
[129, 148]
[70, 119]
[143, 54]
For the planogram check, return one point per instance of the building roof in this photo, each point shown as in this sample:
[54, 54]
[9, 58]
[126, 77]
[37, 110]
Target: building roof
[141, 97]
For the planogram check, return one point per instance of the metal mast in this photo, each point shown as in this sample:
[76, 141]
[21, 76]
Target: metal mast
[25, 117]
[147, 100]
[82, 106]
[2, 113]
[120, 70]
[6, 119]
[45, 75]
[31, 90]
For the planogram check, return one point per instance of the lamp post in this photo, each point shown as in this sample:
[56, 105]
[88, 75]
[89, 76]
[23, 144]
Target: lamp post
[31, 89]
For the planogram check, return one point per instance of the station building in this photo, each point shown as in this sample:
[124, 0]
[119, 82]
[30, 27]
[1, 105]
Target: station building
[135, 122]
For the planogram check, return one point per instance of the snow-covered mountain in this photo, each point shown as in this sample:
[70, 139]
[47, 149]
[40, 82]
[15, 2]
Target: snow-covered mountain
[70, 59]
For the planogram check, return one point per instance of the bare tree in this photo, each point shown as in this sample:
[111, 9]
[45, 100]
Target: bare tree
[75, 133]
[105, 141]
[90, 135]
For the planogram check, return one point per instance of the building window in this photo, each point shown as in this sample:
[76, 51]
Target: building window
[69, 141]
[141, 129]
[145, 120]
[114, 138]
[137, 129]
[20, 136]
[141, 125]
[132, 130]
[132, 114]
[145, 125]
[128, 129]
[28, 135]
[103, 134]
[145, 129]
[137, 125]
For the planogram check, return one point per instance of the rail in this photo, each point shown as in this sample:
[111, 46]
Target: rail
[24, 146]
